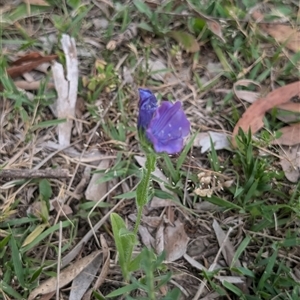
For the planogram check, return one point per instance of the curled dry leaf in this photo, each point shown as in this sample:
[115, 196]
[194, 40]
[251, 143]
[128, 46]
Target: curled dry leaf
[27, 63]
[284, 34]
[290, 162]
[290, 135]
[248, 96]
[253, 116]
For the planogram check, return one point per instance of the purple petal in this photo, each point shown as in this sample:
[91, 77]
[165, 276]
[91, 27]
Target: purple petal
[147, 107]
[168, 127]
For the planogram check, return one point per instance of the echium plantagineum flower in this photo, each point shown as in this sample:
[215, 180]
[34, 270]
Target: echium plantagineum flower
[165, 126]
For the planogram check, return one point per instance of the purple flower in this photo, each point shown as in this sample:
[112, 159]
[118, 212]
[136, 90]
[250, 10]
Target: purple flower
[147, 107]
[168, 128]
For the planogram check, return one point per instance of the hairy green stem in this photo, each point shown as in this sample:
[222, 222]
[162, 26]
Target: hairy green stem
[142, 190]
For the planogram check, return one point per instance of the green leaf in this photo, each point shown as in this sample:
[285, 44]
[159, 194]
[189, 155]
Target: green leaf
[223, 203]
[243, 245]
[186, 40]
[17, 262]
[267, 273]
[9, 290]
[44, 235]
[49, 123]
[143, 187]
[34, 234]
[125, 241]
[45, 189]
[173, 295]
[143, 8]
[233, 289]
[184, 153]
[123, 290]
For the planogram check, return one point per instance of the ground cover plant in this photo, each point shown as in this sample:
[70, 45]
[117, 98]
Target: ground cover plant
[100, 199]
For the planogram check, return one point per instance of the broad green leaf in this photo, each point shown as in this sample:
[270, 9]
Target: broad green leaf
[186, 40]
[45, 189]
[124, 240]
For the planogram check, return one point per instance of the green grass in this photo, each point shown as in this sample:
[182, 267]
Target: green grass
[261, 206]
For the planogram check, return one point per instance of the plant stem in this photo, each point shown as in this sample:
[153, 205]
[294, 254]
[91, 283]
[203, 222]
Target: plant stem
[142, 191]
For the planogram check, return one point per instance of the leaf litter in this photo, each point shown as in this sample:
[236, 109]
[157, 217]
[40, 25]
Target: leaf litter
[73, 155]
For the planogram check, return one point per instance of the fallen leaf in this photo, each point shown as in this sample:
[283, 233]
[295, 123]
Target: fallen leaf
[175, 240]
[290, 135]
[220, 140]
[284, 34]
[186, 40]
[248, 96]
[290, 162]
[37, 2]
[147, 238]
[194, 263]
[30, 86]
[104, 270]
[65, 276]
[290, 106]
[27, 63]
[34, 234]
[253, 116]
[84, 279]
[96, 190]
[227, 248]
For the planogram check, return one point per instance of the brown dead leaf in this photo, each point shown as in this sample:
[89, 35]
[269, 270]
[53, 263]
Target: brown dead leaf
[175, 240]
[290, 162]
[27, 63]
[36, 2]
[253, 116]
[290, 106]
[66, 276]
[284, 34]
[290, 135]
